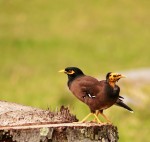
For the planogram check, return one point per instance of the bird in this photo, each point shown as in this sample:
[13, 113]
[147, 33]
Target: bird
[111, 79]
[98, 95]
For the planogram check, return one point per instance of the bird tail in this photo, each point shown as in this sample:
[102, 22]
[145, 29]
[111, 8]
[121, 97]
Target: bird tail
[121, 104]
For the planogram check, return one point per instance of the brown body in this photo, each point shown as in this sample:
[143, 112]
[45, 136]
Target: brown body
[101, 90]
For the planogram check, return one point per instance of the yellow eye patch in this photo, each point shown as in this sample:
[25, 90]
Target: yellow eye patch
[70, 72]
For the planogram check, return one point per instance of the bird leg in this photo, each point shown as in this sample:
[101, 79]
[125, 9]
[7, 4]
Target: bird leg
[96, 118]
[85, 118]
[99, 112]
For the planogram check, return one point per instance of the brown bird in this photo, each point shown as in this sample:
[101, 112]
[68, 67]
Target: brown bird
[111, 79]
[98, 95]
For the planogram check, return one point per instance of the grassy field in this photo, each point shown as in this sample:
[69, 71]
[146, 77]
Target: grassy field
[38, 38]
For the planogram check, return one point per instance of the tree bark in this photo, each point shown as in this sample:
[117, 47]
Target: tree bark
[20, 123]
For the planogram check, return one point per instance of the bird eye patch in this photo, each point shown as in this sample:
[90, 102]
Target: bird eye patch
[70, 72]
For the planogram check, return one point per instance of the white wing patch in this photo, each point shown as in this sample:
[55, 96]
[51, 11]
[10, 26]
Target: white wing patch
[89, 95]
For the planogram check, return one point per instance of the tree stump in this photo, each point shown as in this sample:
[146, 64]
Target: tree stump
[20, 123]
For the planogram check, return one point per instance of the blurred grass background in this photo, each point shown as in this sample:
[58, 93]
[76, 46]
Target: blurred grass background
[38, 38]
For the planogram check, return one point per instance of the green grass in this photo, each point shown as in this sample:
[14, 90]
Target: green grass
[38, 38]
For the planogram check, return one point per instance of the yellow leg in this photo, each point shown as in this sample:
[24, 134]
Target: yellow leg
[97, 118]
[85, 118]
[97, 113]
[104, 116]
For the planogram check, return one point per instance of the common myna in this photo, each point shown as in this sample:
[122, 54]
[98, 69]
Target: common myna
[98, 95]
[111, 79]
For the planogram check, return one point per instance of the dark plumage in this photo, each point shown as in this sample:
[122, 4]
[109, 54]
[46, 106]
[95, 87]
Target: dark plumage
[116, 90]
[120, 103]
[98, 95]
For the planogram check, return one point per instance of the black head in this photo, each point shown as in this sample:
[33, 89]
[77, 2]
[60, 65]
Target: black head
[72, 72]
[107, 76]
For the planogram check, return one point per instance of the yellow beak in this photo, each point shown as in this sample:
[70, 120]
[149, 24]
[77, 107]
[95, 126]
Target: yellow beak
[122, 76]
[62, 71]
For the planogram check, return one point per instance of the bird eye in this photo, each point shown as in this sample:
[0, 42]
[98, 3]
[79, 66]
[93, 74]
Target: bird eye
[71, 72]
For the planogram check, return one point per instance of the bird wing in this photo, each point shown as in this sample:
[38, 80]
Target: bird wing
[84, 86]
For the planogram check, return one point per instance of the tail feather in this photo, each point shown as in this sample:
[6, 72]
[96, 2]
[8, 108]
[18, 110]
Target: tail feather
[121, 104]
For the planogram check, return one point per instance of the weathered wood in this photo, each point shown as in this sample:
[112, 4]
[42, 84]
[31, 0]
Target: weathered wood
[26, 124]
[12, 114]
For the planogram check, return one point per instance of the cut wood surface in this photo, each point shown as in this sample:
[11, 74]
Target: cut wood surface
[20, 123]
[12, 114]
